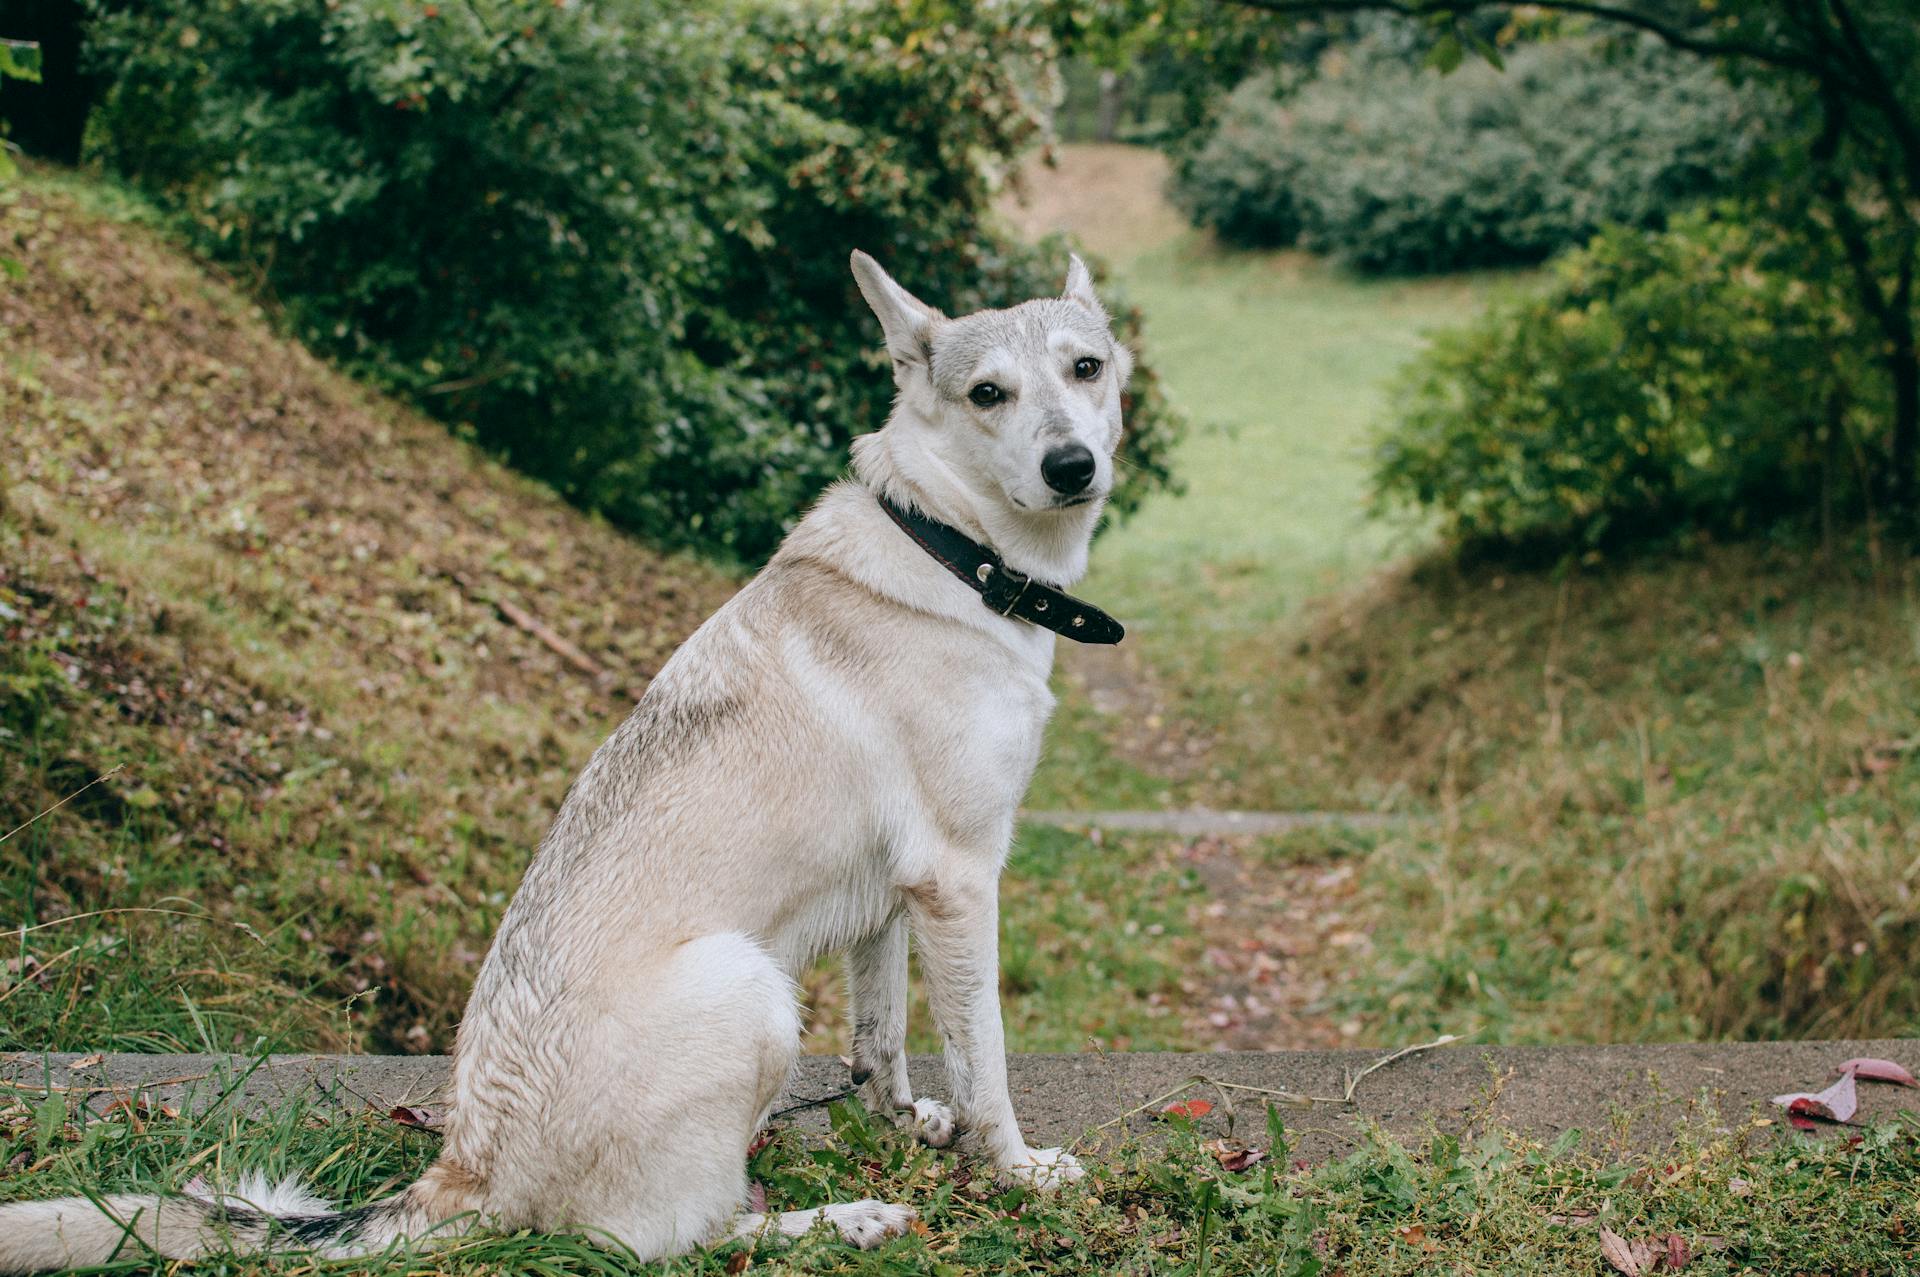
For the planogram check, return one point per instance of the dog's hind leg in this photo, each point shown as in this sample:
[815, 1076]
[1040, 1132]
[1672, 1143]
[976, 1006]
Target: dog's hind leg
[691, 1053]
[877, 1001]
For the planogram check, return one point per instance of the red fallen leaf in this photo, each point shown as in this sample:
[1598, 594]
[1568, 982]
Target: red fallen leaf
[760, 1141]
[407, 1115]
[1189, 1109]
[1677, 1256]
[1837, 1103]
[1864, 1067]
[1802, 1122]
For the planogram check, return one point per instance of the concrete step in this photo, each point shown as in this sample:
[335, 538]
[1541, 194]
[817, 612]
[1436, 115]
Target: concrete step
[1632, 1094]
[1207, 822]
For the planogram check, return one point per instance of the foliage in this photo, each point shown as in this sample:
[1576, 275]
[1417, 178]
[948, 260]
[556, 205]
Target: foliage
[609, 239]
[1694, 376]
[1733, 1197]
[1393, 168]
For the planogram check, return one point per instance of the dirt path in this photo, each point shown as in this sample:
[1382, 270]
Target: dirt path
[1277, 930]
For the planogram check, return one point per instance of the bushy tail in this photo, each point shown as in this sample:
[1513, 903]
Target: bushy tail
[71, 1232]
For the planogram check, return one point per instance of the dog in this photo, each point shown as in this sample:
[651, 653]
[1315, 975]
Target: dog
[832, 762]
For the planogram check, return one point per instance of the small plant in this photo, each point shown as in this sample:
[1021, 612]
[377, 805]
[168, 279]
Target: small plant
[1685, 378]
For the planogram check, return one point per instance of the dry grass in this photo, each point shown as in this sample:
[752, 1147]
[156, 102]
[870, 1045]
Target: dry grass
[233, 571]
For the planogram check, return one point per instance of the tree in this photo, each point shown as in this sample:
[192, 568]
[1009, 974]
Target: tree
[1854, 66]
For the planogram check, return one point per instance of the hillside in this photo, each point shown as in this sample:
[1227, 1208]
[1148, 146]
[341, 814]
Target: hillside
[345, 665]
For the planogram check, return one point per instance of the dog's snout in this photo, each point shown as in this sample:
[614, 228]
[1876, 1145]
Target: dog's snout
[1068, 469]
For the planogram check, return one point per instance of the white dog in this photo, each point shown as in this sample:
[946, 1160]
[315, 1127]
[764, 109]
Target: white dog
[833, 760]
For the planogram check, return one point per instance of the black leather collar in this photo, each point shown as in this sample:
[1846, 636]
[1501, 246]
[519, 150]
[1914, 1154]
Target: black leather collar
[1006, 591]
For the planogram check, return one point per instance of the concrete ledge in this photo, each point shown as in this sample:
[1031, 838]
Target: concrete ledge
[1540, 1090]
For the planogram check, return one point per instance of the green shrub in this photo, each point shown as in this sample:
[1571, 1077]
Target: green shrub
[1691, 376]
[1392, 167]
[608, 239]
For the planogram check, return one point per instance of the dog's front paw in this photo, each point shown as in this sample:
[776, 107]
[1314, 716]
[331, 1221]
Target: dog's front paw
[1044, 1168]
[933, 1124]
[867, 1224]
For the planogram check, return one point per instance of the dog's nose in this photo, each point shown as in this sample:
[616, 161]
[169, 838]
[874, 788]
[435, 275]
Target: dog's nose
[1068, 469]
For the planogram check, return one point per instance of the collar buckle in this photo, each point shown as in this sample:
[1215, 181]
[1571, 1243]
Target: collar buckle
[1002, 588]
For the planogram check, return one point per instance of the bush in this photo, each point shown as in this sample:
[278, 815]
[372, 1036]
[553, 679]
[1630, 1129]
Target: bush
[608, 239]
[1692, 376]
[1394, 168]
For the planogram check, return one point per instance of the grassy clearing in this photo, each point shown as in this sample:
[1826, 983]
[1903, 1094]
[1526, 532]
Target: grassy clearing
[283, 608]
[1665, 799]
[1738, 1199]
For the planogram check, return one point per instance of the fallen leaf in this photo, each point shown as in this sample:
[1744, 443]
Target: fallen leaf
[1861, 1067]
[1677, 1256]
[1837, 1103]
[1192, 1110]
[1739, 1187]
[1415, 1235]
[1233, 1155]
[1615, 1250]
[408, 1115]
[1574, 1219]
[739, 1261]
[86, 1061]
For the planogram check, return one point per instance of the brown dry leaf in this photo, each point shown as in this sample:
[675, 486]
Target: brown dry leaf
[739, 1261]
[1415, 1235]
[1616, 1251]
[1233, 1155]
[421, 1118]
[1574, 1218]
[1677, 1256]
[86, 1061]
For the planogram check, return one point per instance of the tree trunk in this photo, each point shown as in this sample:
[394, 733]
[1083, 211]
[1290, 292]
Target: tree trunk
[1113, 101]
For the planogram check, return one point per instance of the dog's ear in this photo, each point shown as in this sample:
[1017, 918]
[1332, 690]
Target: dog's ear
[1080, 287]
[908, 321]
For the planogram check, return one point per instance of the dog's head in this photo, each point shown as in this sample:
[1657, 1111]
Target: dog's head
[1024, 402]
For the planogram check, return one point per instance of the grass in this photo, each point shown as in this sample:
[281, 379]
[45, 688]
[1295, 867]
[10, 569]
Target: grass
[267, 598]
[1739, 1198]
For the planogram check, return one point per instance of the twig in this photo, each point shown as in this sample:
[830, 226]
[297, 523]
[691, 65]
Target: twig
[522, 619]
[823, 1100]
[253, 935]
[105, 1088]
[1343, 1100]
[1353, 1080]
[64, 801]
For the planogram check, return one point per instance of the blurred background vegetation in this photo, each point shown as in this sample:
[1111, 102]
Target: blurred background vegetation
[1524, 451]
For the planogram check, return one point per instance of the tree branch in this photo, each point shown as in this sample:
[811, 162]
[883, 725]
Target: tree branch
[1782, 56]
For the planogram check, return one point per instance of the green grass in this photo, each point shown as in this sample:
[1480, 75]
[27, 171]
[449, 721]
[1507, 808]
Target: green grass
[1740, 1198]
[327, 755]
[1280, 361]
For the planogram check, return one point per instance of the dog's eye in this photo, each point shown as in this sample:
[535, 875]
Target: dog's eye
[986, 395]
[1086, 368]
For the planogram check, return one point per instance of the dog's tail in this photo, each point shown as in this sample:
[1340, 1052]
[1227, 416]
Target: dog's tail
[72, 1232]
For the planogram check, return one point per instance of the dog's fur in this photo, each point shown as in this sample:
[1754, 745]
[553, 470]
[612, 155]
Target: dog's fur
[833, 760]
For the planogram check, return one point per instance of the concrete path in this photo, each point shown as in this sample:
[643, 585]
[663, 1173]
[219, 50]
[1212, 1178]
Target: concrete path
[1205, 822]
[1631, 1094]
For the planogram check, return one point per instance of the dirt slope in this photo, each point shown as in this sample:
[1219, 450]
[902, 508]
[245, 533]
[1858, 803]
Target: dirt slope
[347, 664]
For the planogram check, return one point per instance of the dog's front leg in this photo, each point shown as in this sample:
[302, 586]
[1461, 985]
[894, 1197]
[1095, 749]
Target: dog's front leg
[877, 1003]
[956, 920]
